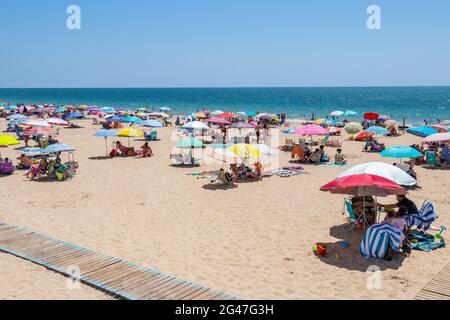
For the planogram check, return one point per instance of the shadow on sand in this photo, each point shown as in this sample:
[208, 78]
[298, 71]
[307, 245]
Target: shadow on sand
[349, 257]
[100, 158]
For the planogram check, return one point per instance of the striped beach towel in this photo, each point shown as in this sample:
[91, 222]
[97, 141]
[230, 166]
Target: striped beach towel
[377, 239]
[423, 220]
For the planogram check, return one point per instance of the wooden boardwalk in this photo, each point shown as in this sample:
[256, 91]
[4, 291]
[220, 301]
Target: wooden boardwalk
[438, 288]
[119, 278]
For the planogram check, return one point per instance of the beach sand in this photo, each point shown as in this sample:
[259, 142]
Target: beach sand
[253, 241]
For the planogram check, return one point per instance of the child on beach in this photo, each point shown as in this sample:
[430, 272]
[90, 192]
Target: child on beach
[146, 151]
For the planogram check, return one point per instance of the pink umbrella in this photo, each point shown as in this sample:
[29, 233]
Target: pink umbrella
[217, 121]
[311, 130]
[440, 128]
[254, 123]
[38, 131]
[437, 137]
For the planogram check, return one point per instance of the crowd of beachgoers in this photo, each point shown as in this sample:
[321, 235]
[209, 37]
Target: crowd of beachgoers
[242, 147]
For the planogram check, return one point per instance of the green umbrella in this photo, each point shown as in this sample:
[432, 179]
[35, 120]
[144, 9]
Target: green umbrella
[190, 143]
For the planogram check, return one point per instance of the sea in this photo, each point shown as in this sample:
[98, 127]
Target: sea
[415, 104]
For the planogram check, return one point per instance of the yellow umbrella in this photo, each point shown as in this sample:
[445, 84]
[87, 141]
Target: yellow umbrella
[319, 121]
[131, 133]
[200, 115]
[7, 140]
[246, 151]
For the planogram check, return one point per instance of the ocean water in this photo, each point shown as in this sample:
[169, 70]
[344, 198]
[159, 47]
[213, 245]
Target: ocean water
[413, 103]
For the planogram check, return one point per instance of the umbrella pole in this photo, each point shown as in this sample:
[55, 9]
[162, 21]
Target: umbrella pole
[106, 145]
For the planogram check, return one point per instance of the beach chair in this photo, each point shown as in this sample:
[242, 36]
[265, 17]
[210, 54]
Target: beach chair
[354, 219]
[423, 220]
[6, 168]
[431, 158]
[446, 156]
[154, 136]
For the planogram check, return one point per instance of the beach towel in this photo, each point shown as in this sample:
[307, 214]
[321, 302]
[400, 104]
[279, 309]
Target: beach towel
[424, 242]
[287, 172]
[377, 239]
[423, 220]
[336, 165]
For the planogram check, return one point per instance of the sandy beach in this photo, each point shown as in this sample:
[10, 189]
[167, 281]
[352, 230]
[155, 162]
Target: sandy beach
[253, 240]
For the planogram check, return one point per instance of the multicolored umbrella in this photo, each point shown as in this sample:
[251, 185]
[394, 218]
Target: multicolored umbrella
[217, 121]
[353, 128]
[36, 123]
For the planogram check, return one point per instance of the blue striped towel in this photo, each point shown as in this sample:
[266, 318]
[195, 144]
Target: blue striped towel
[377, 239]
[423, 220]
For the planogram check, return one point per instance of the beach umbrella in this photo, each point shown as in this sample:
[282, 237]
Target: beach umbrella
[364, 185]
[216, 112]
[364, 136]
[39, 131]
[311, 130]
[422, 131]
[381, 169]
[57, 121]
[36, 123]
[245, 151]
[8, 140]
[241, 125]
[349, 113]
[251, 113]
[391, 123]
[158, 115]
[440, 128]
[165, 109]
[336, 113]
[266, 150]
[152, 124]
[75, 115]
[31, 151]
[224, 155]
[60, 110]
[10, 107]
[115, 118]
[266, 116]
[16, 117]
[131, 133]
[400, 152]
[372, 116]
[195, 125]
[59, 147]
[131, 119]
[319, 121]
[226, 115]
[377, 130]
[217, 121]
[106, 134]
[438, 137]
[190, 143]
[444, 122]
[353, 127]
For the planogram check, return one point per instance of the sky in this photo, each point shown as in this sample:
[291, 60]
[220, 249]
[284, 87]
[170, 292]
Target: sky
[224, 43]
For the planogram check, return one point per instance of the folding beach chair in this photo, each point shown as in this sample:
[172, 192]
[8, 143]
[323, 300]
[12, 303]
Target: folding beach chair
[431, 158]
[446, 156]
[354, 219]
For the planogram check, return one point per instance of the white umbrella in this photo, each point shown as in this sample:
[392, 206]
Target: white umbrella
[57, 121]
[336, 113]
[36, 123]
[195, 125]
[382, 169]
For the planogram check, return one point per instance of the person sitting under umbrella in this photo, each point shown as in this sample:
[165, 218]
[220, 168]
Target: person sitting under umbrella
[52, 140]
[24, 162]
[403, 201]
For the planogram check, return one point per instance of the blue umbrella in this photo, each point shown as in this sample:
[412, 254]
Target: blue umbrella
[251, 113]
[349, 113]
[422, 131]
[115, 118]
[165, 109]
[106, 134]
[75, 115]
[377, 130]
[400, 152]
[131, 119]
[31, 151]
[10, 108]
[54, 148]
[17, 117]
[152, 124]
[14, 122]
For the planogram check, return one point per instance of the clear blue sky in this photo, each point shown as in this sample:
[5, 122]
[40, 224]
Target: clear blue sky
[210, 43]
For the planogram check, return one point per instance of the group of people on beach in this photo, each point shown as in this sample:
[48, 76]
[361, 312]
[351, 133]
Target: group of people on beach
[122, 151]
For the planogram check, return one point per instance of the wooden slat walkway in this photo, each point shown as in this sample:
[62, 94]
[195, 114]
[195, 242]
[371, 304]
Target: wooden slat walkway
[116, 277]
[438, 288]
